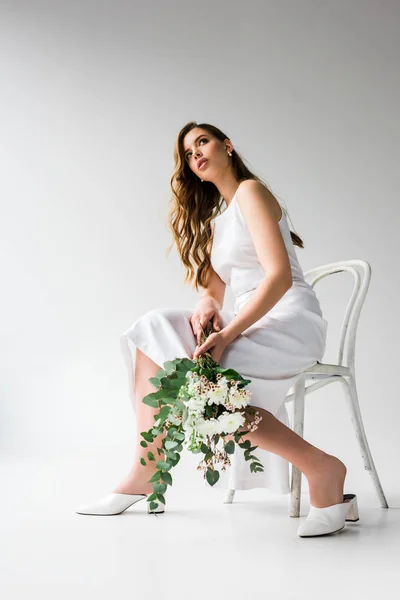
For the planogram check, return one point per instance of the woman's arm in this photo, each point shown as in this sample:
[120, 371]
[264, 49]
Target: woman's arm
[266, 295]
[215, 288]
[259, 207]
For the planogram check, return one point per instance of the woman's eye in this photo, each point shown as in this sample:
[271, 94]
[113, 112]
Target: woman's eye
[202, 140]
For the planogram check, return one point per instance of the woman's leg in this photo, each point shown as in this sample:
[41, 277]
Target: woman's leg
[325, 473]
[136, 482]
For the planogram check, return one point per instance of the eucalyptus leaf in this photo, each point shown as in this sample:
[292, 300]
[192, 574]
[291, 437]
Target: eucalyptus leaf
[166, 477]
[230, 447]
[163, 465]
[156, 432]
[212, 476]
[169, 444]
[150, 401]
[169, 367]
[160, 488]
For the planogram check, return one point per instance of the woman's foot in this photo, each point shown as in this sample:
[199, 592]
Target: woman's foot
[326, 481]
[135, 484]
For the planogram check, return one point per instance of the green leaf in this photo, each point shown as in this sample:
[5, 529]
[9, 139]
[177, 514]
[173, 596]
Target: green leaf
[161, 498]
[155, 477]
[172, 431]
[163, 465]
[160, 488]
[156, 432]
[229, 373]
[246, 444]
[167, 478]
[143, 443]
[152, 496]
[185, 365]
[168, 395]
[230, 447]
[212, 476]
[243, 433]
[153, 505]
[169, 444]
[143, 461]
[164, 412]
[151, 400]
[150, 456]
[147, 436]
[169, 383]
[169, 367]
[155, 381]
[174, 458]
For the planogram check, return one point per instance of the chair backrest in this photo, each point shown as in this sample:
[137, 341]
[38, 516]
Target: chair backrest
[361, 270]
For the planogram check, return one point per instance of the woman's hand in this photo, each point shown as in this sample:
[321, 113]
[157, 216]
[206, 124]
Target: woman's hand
[207, 309]
[215, 344]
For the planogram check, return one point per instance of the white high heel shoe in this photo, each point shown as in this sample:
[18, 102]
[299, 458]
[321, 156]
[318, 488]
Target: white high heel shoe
[324, 521]
[115, 504]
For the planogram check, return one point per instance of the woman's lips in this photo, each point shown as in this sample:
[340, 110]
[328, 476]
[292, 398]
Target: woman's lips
[203, 164]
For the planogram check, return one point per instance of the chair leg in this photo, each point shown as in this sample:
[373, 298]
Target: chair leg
[355, 413]
[229, 498]
[298, 426]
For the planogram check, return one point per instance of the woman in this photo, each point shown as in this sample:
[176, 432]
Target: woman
[275, 331]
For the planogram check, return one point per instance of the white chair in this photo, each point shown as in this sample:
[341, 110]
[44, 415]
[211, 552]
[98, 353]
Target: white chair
[326, 374]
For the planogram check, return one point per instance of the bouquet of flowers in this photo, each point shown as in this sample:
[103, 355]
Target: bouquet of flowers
[200, 405]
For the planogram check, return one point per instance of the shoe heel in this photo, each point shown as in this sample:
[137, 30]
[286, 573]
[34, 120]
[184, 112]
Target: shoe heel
[352, 511]
[160, 508]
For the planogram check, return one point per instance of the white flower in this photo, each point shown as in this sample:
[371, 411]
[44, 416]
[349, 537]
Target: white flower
[238, 398]
[195, 405]
[219, 392]
[230, 422]
[208, 427]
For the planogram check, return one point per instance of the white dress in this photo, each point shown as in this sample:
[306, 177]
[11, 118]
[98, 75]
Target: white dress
[271, 352]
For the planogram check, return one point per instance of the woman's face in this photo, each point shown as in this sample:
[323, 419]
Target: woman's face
[199, 146]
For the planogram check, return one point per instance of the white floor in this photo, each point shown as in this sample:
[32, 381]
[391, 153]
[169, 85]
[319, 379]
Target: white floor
[199, 548]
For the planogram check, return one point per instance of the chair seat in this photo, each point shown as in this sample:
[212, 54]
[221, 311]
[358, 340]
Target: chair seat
[318, 373]
[322, 370]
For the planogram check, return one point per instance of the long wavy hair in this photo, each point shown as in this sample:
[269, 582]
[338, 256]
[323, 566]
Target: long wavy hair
[194, 204]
